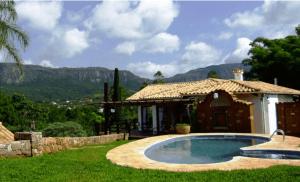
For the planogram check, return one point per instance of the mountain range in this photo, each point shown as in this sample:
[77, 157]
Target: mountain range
[49, 84]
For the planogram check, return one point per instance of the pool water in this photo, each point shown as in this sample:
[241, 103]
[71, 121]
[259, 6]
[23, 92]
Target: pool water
[272, 154]
[200, 149]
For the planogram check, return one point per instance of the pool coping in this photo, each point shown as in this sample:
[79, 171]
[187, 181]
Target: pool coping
[132, 154]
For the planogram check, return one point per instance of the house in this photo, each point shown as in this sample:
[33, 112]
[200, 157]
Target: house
[219, 105]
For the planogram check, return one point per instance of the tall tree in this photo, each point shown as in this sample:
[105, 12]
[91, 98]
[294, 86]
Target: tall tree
[276, 58]
[158, 77]
[116, 87]
[212, 74]
[116, 97]
[12, 37]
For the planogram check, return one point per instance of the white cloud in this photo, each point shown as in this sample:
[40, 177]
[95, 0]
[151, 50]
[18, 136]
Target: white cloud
[126, 48]
[225, 35]
[160, 43]
[47, 63]
[28, 62]
[197, 54]
[245, 19]
[240, 52]
[273, 19]
[132, 20]
[65, 43]
[200, 54]
[148, 68]
[40, 15]
[141, 25]
[75, 41]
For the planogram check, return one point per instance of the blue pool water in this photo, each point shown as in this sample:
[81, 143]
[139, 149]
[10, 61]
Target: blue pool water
[272, 154]
[201, 149]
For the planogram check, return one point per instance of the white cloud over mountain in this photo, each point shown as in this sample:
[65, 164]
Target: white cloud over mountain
[159, 43]
[240, 52]
[197, 54]
[75, 41]
[47, 63]
[66, 42]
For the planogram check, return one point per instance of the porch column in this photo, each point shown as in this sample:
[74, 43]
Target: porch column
[140, 118]
[154, 119]
[272, 114]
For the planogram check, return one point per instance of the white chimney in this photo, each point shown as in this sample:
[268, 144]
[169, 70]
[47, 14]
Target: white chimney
[238, 74]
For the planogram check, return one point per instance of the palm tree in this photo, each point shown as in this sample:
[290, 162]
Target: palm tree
[10, 33]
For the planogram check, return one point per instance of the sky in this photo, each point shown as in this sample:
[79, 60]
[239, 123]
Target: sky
[149, 35]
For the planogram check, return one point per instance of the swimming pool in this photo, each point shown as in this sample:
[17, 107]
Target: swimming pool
[201, 149]
[132, 154]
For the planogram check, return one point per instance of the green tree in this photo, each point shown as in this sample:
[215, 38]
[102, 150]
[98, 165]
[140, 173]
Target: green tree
[275, 58]
[158, 77]
[116, 87]
[10, 33]
[116, 97]
[58, 129]
[212, 74]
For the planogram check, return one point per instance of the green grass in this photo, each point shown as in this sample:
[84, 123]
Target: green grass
[89, 164]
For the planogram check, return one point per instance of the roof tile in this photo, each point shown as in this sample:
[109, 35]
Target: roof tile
[202, 87]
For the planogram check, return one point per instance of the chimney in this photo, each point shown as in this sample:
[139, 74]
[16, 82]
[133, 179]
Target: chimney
[238, 74]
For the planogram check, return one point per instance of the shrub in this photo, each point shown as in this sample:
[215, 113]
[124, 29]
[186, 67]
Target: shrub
[59, 129]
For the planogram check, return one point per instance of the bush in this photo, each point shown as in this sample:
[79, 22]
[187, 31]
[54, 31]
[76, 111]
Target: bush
[59, 129]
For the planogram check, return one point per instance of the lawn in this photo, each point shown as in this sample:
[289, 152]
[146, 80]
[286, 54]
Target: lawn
[89, 164]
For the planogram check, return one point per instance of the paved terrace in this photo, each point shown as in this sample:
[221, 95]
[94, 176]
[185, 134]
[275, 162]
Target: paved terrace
[132, 155]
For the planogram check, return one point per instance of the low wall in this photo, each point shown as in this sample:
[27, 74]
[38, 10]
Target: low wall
[16, 148]
[33, 144]
[42, 145]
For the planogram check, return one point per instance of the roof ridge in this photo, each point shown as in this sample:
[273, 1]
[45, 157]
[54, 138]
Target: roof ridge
[239, 82]
[185, 82]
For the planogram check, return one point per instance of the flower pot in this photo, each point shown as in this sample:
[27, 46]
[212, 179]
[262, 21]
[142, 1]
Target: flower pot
[183, 128]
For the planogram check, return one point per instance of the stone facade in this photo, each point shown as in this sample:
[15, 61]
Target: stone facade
[33, 144]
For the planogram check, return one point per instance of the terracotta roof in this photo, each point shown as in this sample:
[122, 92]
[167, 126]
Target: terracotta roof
[6, 136]
[203, 87]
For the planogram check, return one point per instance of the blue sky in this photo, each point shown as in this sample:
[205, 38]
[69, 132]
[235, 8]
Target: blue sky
[149, 35]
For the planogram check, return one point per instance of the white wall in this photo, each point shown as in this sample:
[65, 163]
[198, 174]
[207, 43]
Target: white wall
[271, 122]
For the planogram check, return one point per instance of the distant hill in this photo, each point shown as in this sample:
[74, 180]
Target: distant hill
[223, 70]
[48, 84]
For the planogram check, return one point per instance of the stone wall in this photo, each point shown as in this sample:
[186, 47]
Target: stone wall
[16, 148]
[38, 145]
[42, 145]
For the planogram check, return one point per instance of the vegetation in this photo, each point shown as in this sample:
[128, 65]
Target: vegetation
[90, 164]
[18, 113]
[10, 33]
[158, 77]
[276, 58]
[70, 129]
[212, 74]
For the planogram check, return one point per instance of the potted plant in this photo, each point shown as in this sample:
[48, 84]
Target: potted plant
[183, 128]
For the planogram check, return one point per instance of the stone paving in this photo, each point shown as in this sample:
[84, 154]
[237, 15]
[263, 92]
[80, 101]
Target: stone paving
[132, 155]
